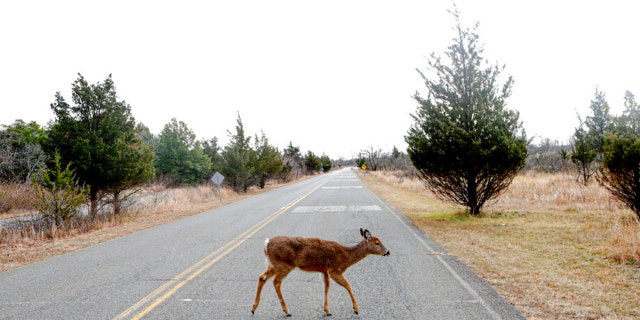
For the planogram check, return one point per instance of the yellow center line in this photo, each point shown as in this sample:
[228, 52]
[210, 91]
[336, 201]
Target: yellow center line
[159, 295]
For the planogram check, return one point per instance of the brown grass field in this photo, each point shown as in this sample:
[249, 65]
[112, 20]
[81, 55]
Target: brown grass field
[33, 244]
[552, 247]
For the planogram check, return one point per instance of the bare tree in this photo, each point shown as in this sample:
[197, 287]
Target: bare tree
[548, 156]
[19, 160]
[373, 157]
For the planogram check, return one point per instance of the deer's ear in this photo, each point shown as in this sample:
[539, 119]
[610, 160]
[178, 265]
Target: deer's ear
[366, 234]
[362, 232]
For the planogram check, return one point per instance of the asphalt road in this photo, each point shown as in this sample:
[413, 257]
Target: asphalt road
[207, 266]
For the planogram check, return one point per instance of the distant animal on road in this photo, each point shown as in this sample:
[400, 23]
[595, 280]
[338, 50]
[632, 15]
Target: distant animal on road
[312, 254]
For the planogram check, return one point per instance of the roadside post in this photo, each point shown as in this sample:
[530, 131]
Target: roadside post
[217, 179]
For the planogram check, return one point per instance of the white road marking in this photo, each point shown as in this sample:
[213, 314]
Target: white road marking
[344, 187]
[440, 258]
[336, 208]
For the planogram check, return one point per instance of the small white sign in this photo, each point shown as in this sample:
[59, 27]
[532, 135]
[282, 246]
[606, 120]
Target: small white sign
[217, 178]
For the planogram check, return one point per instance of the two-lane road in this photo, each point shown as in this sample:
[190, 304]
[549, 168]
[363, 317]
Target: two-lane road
[206, 266]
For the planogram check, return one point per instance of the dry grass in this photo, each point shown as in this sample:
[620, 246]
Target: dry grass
[554, 248]
[34, 243]
[16, 198]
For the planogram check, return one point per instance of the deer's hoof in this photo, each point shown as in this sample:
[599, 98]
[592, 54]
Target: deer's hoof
[356, 312]
[288, 314]
[327, 314]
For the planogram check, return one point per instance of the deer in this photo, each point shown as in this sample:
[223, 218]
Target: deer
[283, 254]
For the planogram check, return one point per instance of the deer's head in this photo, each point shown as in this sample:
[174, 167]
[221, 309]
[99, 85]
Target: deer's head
[374, 245]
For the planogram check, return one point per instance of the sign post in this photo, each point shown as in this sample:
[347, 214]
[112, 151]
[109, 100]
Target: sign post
[217, 179]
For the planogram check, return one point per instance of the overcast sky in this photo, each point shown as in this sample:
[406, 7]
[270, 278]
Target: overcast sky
[332, 77]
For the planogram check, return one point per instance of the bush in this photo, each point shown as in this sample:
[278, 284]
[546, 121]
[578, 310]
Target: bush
[620, 173]
[58, 195]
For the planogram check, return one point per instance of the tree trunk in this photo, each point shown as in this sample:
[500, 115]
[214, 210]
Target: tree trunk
[93, 211]
[472, 195]
[636, 196]
[116, 203]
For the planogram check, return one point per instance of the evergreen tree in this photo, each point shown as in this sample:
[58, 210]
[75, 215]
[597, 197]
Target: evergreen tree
[268, 161]
[27, 133]
[132, 166]
[312, 162]
[600, 121]
[213, 150]
[584, 153]
[238, 160]
[630, 119]
[465, 144]
[588, 139]
[292, 159]
[326, 163]
[395, 153]
[98, 136]
[292, 155]
[179, 156]
[145, 135]
[58, 194]
[620, 170]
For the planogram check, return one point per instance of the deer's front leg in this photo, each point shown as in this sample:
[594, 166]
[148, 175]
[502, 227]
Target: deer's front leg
[341, 280]
[326, 293]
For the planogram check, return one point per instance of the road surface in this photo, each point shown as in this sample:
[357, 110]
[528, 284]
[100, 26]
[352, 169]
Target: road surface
[206, 266]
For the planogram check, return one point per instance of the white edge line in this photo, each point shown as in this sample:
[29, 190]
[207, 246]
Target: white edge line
[465, 284]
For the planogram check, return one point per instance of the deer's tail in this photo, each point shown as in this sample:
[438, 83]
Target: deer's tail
[266, 255]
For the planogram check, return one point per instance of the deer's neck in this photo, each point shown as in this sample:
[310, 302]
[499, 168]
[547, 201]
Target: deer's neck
[357, 252]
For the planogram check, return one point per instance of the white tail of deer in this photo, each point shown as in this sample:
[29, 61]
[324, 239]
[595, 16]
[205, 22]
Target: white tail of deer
[311, 254]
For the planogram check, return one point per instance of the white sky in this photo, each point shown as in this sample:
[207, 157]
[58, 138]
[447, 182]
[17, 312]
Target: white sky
[333, 77]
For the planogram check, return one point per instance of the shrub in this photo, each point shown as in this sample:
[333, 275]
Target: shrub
[620, 173]
[58, 195]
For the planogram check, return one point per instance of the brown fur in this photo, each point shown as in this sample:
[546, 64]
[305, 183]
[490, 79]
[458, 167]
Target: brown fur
[312, 254]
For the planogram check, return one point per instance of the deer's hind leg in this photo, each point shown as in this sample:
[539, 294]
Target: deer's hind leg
[270, 272]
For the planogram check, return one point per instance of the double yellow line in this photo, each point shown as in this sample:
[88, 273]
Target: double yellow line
[158, 296]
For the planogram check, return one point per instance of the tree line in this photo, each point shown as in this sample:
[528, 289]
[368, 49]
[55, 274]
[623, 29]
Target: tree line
[607, 147]
[94, 147]
[467, 146]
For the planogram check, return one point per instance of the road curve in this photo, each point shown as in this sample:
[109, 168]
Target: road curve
[206, 266]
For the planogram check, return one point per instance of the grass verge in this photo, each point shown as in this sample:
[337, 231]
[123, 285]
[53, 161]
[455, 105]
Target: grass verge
[27, 245]
[553, 248]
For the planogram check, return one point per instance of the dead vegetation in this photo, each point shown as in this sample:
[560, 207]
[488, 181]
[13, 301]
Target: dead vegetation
[31, 242]
[16, 199]
[554, 248]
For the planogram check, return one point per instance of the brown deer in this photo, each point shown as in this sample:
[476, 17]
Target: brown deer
[311, 254]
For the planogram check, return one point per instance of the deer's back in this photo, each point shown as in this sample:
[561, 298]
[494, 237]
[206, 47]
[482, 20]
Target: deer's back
[308, 254]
